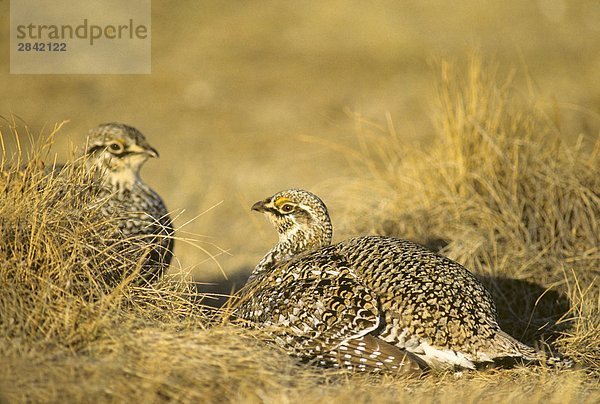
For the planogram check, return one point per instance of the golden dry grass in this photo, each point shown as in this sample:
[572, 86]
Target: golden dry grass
[234, 87]
[498, 190]
[494, 187]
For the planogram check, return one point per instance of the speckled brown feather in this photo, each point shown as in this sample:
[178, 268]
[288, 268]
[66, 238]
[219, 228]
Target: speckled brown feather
[319, 312]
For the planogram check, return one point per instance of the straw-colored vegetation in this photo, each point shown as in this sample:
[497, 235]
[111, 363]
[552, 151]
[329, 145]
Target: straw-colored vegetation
[505, 181]
[499, 191]
[495, 188]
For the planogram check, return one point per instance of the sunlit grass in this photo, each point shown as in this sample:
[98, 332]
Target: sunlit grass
[498, 189]
[495, 188]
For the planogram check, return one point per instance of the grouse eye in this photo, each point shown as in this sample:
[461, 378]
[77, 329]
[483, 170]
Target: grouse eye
[116, 147]
[287, 208]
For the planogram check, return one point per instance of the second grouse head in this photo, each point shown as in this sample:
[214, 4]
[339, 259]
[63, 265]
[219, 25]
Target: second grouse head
[299, 217]
[118, 148]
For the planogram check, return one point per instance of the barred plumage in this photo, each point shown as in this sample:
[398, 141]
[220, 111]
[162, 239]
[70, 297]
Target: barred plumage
[317, 298]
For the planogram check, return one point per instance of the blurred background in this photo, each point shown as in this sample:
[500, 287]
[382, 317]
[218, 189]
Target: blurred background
[240, 92]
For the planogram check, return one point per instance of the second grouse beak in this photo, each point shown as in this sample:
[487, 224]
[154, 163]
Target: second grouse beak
[259, 206]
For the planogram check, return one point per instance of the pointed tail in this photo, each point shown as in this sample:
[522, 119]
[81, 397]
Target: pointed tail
[508, 346]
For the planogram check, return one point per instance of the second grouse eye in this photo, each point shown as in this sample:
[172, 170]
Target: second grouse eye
[116, 147]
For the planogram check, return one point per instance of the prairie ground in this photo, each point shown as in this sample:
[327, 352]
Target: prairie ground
[384, 110]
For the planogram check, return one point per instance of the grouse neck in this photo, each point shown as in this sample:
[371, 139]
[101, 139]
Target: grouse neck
[296, 242]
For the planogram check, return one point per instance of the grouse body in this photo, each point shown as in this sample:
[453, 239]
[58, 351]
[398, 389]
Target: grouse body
[332, 304]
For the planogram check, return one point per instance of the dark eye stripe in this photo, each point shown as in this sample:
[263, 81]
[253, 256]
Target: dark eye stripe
[95, 148]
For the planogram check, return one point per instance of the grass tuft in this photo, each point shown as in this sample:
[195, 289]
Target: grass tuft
[496, 189]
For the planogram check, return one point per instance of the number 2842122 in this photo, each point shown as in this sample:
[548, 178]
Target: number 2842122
[42, 47]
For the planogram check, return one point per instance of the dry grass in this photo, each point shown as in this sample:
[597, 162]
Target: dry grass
[498, 190]
[493, 187]
[65, 269]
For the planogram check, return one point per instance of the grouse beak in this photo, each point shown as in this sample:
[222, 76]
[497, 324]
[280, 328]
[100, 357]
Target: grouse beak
[259, 206]
[143, 149]
[152, 152]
